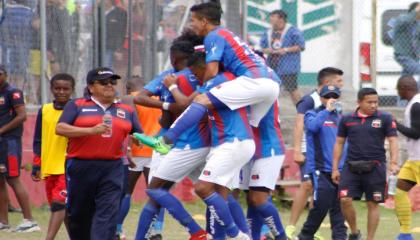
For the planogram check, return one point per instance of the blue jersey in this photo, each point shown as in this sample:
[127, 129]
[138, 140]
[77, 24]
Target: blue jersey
[155, 86]
[223, 46]
[226, 125]
[198, 135]
[268, 137]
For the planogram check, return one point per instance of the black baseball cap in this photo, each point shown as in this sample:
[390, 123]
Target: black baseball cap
[100, 73]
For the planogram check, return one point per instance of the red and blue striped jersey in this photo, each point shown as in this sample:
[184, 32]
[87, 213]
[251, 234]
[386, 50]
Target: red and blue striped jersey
[197, 136]
[156, 87]
[268, 137]
[223, 46]
[226, 125]
[83, 112]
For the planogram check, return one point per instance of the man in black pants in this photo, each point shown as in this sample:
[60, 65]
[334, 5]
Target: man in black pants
[364, 170]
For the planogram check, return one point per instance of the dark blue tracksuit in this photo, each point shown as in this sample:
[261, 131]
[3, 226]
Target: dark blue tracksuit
[321, 131]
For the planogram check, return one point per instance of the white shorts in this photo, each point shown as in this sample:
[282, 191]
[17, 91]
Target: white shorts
[262, 172]
[154, 163]
[141, 163]
[226, 160]
[259, 93]
[179, 163]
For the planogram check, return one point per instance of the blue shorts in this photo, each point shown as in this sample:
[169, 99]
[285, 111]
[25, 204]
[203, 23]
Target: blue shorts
[304, 177]
[10, 157]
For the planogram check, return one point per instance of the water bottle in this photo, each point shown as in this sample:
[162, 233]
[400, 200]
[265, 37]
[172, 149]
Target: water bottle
[107, 119]
[338, 106]
[392, 184]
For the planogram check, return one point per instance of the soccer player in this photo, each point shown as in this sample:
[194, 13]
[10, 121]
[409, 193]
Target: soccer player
[326, 76]
[409, 174]
[12, 116]
[252, 87]
[50, 150]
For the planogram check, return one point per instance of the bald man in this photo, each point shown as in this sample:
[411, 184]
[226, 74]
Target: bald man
[409, 174]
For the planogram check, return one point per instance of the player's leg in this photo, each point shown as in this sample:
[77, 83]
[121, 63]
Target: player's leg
[58, 200]
[234, 206]
[338, 227]
[408, 177]
[291, 86]
[4, 201]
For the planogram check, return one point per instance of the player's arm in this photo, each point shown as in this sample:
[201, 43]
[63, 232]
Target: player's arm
[36, 146]
[298, 134]
[18, 105]
[337, 153]
[212, 69]
[412, 132]
[144, 98]
[314, 121]
[181, 101]
[393, 150]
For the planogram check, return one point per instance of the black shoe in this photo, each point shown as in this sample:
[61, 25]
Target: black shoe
[14, 210]
[156, 237]
[357, 236]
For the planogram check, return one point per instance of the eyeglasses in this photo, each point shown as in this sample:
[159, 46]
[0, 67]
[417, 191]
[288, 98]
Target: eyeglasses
[105, 82]
[329, 96]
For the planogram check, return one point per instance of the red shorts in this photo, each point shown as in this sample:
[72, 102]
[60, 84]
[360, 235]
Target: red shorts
[55, 186]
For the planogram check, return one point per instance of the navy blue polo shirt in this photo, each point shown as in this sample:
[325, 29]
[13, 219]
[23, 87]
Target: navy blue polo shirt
[366, 135]
[10, 98]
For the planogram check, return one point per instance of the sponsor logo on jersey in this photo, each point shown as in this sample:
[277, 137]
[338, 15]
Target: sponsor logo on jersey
[120, 113]
[377, 123]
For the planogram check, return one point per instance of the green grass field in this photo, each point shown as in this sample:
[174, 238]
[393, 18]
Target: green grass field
[388, 227]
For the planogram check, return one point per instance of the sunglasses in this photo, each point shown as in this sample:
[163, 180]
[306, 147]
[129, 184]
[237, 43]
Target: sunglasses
[329, 96]
[105, 82]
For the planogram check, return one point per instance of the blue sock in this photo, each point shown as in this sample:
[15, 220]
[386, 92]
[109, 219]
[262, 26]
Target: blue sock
[158, 227]
[216, 230]
[192, 115]
[237, 214]
[147, 216]
[255, 222]
[220, 211]
[175, 208]
[124, 208]
[271, 217]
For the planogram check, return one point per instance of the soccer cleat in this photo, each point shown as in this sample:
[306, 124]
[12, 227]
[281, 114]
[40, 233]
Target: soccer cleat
[290, 231]
[200, 235]
[156, 237]
[27, 226]
[405, 236]
[318, 236]
[357, 236]
[4, 227]
[157, 143]
[241, 236]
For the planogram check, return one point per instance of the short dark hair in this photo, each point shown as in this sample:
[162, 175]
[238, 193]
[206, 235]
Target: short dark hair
[190, 36]
[326, 72]
[280, 13]
[413, 6]
[197, 59]
[365, 92]
[184, 48]
[211, 11]
[64, 77]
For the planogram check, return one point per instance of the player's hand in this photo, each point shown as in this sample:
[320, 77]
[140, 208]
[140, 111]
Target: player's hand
[136, 141]
[36, 173]
[267, 50]
[169, 80]
[335, 176]
[393, 168]
[281, 51]
[100, 128]
[131, 164]
[330, 104]
[299, 158]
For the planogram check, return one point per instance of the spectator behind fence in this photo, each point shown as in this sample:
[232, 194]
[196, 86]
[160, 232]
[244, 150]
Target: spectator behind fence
[409, 174]
[12, 116]
[115, 30]
[283, 44]
[406, 40]
[96, 126]
[364, 170]
[16, 40]
[50, 150]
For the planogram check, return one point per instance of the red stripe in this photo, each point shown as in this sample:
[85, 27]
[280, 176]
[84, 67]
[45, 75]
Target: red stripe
[239, 51]
[277, 124]
[219, 126]
[13, 165]
[229, 76]
[242, 112]
[185, 85]
[257, 140]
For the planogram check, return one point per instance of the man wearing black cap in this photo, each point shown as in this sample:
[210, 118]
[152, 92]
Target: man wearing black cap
[321, 131]
[364, 170]
[12, 116]
[96, 126]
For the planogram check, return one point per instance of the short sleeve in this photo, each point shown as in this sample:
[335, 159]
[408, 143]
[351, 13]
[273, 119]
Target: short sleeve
[69, 114]
[16, 98]
[298, 39]
[305, 104]
[342, 128]
[214, 45]
[155, 86]
[390, 126]
[135, 123]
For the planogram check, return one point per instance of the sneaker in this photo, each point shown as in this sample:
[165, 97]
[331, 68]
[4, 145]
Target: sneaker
[120, 236]
[405, 236]
[200, 235]
[4, 227]
[290, 231]
[357, 236]
[318, 236]
[12, 209]
[157, 143]
[240, 236]
[27, 226]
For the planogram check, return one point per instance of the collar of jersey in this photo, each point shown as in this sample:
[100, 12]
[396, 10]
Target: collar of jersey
[100, 105]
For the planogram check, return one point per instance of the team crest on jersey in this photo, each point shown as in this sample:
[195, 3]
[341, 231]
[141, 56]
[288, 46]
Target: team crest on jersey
[16, 95]
[344, 192]
[377, 123]
[206, 173]
[377, 196]
[120, 113]
[255, 177]
[2, 100]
